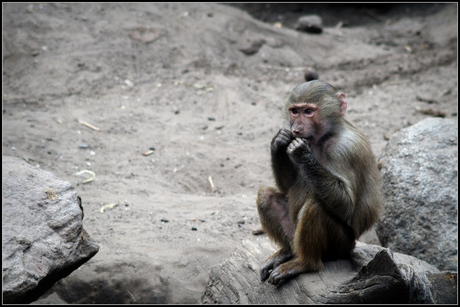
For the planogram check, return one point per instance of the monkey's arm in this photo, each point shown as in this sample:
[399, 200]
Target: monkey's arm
[334, 192]
[284, 170]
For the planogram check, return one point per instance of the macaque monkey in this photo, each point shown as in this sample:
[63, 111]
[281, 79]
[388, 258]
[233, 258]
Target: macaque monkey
[328, 185]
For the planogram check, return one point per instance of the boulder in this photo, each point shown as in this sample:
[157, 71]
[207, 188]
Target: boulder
[372, 274]
[309, 24]
[43, 239]
[420, 187]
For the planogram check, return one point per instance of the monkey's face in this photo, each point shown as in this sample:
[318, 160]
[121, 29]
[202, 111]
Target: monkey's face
[302, 119]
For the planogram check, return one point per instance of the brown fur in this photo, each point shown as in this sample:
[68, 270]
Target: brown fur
[328, 185]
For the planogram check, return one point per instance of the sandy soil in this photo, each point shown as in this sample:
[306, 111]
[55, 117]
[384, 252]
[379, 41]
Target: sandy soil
[171, 78]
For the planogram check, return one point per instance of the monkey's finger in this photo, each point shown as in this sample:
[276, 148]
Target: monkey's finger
[270, 279]
[287, 133]
[285, 139]
[266, 268]
[294, 144]
[280, 132]
[305, 141]
[275, 278]
[283, 136]
[282, 141]
[299, 141]
[264, 274]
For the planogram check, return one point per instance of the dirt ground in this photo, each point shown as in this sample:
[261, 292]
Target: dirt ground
[181, 119]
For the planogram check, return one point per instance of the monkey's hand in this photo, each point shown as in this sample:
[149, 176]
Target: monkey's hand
[297, 150]
[283, 169]
[282, 140]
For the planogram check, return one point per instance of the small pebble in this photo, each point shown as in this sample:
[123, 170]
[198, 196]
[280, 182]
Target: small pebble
[254, 48]
[129, 83]
[258, 232]
[83, 145]
[148, 152]
[164, 220]
[194, 229]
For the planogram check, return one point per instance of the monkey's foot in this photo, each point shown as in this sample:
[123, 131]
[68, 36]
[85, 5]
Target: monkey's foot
[273, 262]
[287, 271]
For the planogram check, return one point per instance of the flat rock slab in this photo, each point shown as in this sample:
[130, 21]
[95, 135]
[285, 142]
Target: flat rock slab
[43, 239]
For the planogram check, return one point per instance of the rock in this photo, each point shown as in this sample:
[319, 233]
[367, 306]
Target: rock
[114, 277]
[373, 274]
[444, 287]
[129, 281]
[254, 48]
[309, 24]
[43, 239]
[420, 186]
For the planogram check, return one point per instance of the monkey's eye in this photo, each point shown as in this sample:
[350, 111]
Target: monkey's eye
[294, 111]
[308, 111]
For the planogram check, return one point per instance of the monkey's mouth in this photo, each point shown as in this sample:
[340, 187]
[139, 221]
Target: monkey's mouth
[302, 135]
[307, 138]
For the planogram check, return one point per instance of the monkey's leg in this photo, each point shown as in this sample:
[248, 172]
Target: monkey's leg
[311, 240]
[274, 216]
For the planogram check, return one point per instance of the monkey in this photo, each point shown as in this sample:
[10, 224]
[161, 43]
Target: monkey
[328, 186]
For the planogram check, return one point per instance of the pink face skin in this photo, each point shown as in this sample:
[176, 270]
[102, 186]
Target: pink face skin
[302, 118]
[306, 121]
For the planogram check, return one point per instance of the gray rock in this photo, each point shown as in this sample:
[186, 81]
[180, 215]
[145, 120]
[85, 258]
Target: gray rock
[254, 48]
[126, 281]
[444, 287]
[373, 274]
[43, 239]
[309, 24]
[420, 186]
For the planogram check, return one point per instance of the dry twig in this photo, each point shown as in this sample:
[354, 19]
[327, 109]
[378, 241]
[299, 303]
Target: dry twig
[213, 188]
[88, 125]
[93, 175]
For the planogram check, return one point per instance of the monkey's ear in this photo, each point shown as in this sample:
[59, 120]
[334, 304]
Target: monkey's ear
[343, 104]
